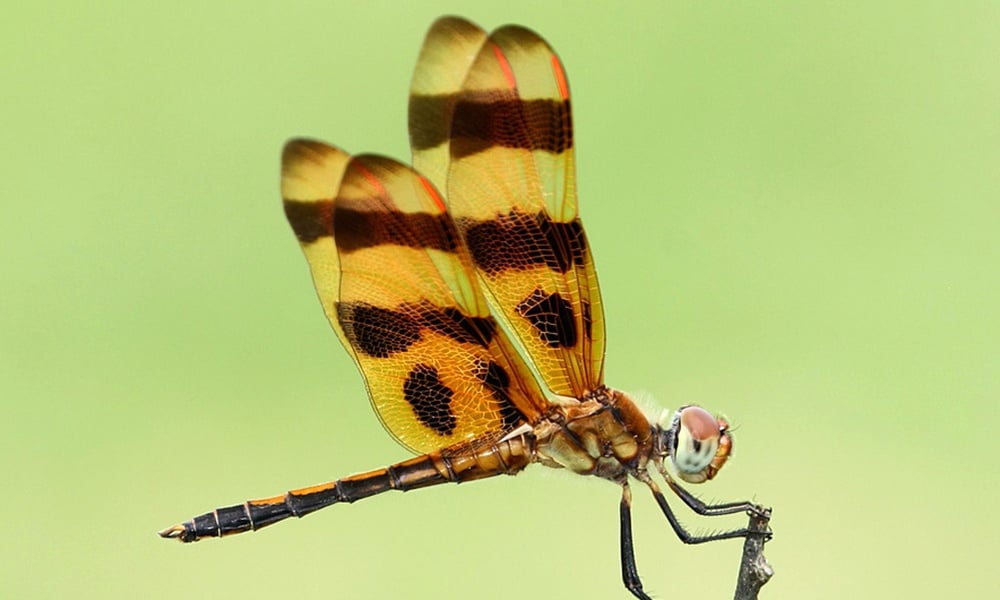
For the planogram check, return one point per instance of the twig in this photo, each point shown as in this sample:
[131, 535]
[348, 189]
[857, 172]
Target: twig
[754, 568]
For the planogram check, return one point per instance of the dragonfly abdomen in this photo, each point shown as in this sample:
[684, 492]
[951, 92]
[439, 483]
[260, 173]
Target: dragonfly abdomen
[466, 462]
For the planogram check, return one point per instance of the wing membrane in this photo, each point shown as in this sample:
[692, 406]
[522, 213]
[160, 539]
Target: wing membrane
[511, 189]
[398, 286]
[449, 49]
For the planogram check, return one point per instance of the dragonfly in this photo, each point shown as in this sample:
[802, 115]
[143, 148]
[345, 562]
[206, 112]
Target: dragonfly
[465, 290]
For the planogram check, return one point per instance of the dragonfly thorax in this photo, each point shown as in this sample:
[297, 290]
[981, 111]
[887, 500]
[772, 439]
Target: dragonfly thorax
[605, 434]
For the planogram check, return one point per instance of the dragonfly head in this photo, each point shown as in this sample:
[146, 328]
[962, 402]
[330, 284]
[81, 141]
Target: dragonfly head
[698, 443]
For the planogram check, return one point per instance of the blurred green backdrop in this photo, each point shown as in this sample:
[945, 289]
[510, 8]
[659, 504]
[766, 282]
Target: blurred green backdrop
[794, 209]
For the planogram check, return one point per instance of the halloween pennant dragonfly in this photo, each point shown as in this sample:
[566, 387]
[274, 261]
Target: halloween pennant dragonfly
[442, 279]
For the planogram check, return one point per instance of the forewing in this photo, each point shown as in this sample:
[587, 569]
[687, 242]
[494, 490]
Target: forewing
[511, 188]
[399, 288]
[450, 47]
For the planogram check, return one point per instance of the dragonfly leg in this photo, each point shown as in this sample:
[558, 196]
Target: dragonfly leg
[629, 573]
[709, 510]
[684, 535]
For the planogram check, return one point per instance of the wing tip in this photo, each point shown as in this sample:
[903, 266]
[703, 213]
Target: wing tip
[453, 24]
[296, 150]
[311, 170]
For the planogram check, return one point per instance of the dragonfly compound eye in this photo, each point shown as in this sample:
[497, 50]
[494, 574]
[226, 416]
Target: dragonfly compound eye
[702, 444]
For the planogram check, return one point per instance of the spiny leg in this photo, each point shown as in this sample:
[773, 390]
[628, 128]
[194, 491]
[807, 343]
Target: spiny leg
[714, 510]
[629, 573]
[684, 535]
[709, 510]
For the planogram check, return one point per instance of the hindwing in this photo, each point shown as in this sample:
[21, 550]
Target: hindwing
[398, 285]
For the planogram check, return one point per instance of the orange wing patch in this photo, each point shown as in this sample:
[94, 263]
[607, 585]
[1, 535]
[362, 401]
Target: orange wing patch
[398, 286]
[511, 188]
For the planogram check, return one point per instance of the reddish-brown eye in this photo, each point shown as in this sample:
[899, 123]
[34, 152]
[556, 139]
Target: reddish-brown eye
[697, 443]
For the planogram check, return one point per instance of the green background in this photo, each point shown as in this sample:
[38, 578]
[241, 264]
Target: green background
[794, 211]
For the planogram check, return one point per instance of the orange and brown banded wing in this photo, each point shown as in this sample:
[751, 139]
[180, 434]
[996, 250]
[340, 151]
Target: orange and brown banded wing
[310, 177]
[450, 46]
[511, 189]
[398, 286]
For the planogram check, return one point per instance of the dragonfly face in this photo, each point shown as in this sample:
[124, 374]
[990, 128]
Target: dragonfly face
[698, 443]
[465, 290]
